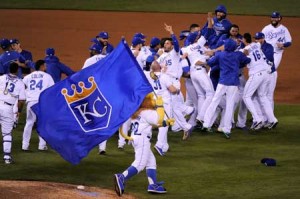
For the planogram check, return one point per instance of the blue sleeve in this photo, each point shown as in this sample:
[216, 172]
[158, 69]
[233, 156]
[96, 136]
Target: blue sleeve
[186, 69]
[287, 44]
[213, 61]
[243, 59]
[65, 69]
[269, 52]
[175, 43]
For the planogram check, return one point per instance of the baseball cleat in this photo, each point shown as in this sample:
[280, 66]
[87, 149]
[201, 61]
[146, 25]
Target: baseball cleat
[199, 124]
[227, 135]
[187, 134]
[44, 148]
[256, 125]
[156, 188]
[119, 183]
[102, 152]
[8, 160]
[159, 150]
[272, 125]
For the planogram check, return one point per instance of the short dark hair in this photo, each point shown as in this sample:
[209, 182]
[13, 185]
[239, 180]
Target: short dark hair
[13, 67]
[38, 64]
[234, 26]
[247, 37]
[163, 41]
[194, 25]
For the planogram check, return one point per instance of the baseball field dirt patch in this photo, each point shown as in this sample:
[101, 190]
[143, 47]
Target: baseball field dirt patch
[70, 32]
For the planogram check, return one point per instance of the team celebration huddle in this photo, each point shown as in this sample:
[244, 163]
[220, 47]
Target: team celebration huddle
[218, 73]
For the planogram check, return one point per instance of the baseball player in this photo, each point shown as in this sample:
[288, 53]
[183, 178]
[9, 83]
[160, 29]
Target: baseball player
[95, 56]
[144, 51]
[102, 40]
[170, 62]
[229, 62]
[28, 66]
[9, 56]
[200, 79]
[12, 90]
[35, 83]
[162, 86]
[141, 126]
[259, 72]
[280, 38]
[221, 26]
[54, 67]
[95, 53]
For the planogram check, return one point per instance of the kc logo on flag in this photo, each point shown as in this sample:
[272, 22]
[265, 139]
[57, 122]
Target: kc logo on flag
[89, 107]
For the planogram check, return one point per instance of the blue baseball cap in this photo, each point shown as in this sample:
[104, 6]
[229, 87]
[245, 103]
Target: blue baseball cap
[259, 35]
[275, 15]
[268, 162]
[136, 40]
[14, 41]
[154, 42]
[5, 43]
[140, 35]
[96, 48]
[103, 35]
[50, 51]
[184, 34]
[191, 38]
[221, 8]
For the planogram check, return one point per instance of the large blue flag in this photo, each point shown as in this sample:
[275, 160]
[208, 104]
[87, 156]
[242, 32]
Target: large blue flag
[78, 113]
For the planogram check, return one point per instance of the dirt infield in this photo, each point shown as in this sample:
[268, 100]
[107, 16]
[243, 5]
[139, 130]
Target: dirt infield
[50, 190]
[69, 32]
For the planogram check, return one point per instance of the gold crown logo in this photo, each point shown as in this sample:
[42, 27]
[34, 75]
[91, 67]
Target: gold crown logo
[79, 95]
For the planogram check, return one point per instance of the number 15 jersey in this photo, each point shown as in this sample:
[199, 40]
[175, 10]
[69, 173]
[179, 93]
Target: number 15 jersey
[35, 83]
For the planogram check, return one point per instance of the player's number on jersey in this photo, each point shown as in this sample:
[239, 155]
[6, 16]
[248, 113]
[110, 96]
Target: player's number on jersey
[33, 84]
[10, 87]
[135, 128]
[157, 85]
[256, 55]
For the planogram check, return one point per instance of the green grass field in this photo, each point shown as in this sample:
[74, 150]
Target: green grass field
[242, 7]
[205, 166]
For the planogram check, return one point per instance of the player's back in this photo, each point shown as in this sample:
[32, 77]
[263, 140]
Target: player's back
[12, 89]
[258, 60]
[35, 83]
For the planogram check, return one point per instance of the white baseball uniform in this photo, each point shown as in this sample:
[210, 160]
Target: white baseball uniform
[92, 60]
[160, 87]
[170, 61]
[36, 82]
[274, 35]
[257, 83]
[201, 81]
[12, 89]
[141, 132]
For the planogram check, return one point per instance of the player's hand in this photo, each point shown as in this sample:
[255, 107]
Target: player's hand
[169, 29]
[184, 55]
[280, 45]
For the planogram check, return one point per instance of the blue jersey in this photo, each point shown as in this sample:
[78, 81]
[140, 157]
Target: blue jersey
[224, 37]
[219, 28]
[6, 58]
[229, 62]
[55, 68]
[28, 59]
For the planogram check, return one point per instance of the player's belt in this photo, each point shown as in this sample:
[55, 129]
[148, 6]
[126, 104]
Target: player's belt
[9, 104]
[200, 67]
